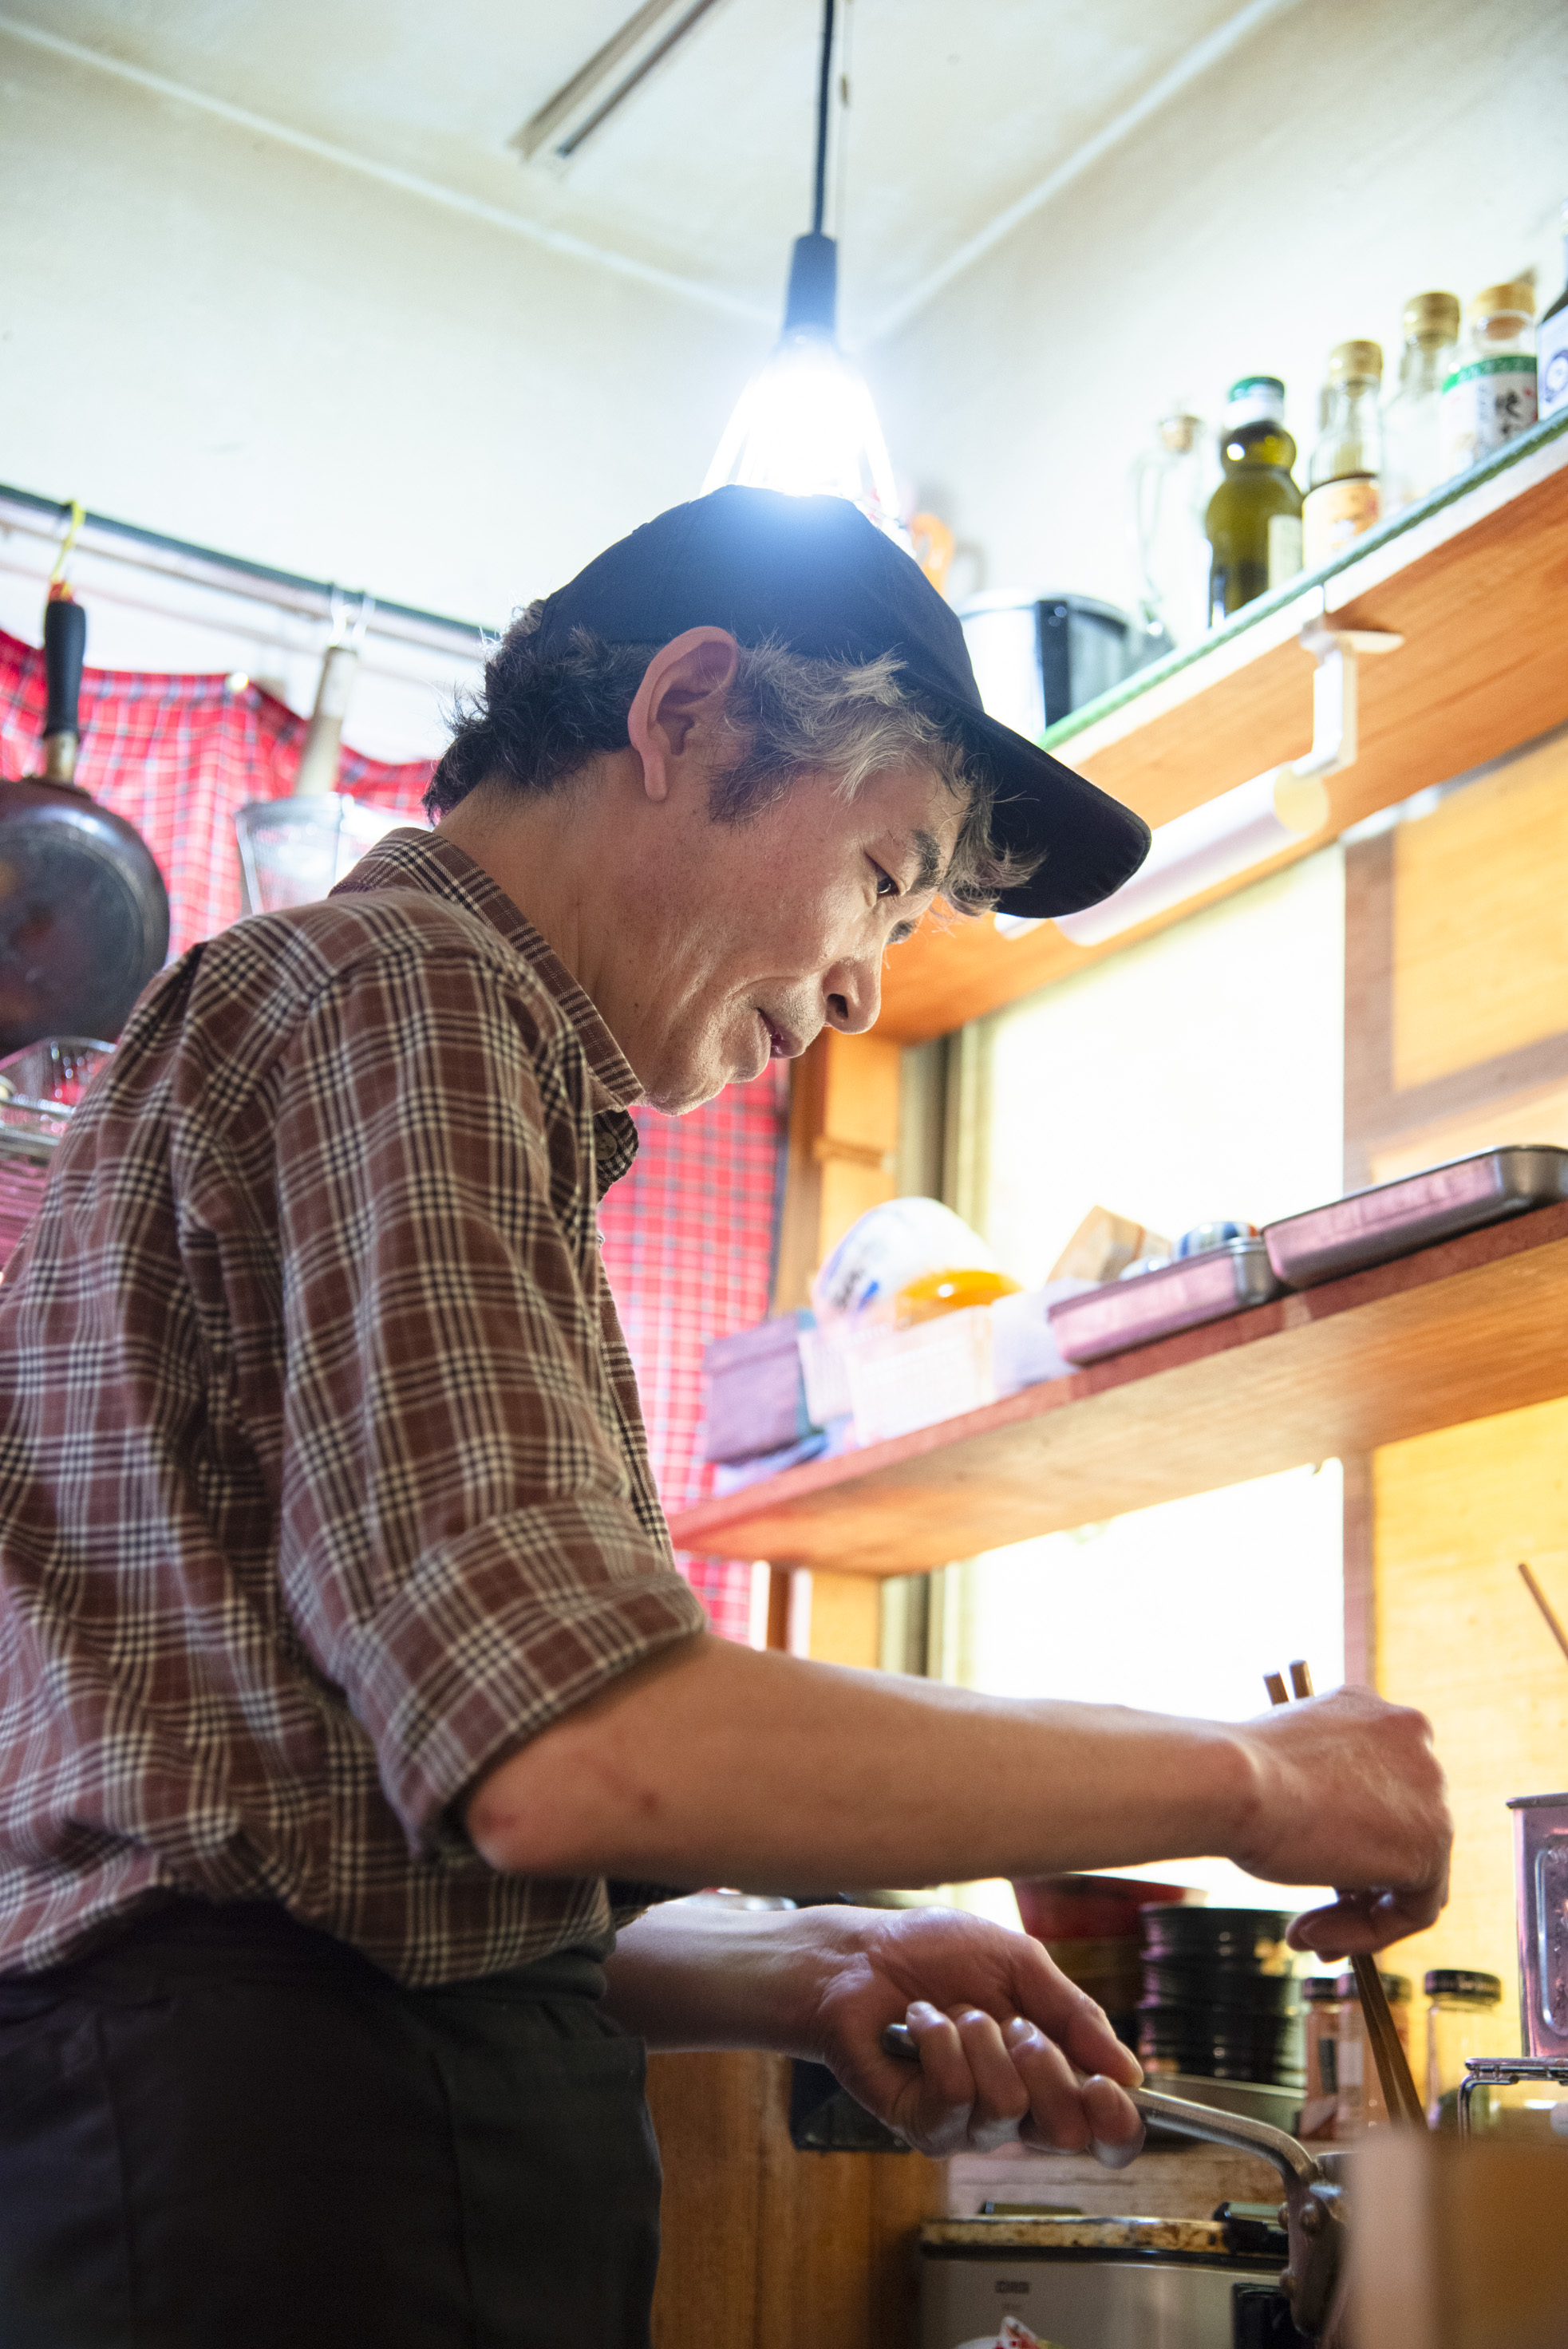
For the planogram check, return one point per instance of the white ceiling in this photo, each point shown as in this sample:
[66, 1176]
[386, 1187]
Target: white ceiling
[962, 112]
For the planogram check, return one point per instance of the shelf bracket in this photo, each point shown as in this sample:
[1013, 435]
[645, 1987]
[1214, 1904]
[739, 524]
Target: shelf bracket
[1276, 810]
[1335, 698]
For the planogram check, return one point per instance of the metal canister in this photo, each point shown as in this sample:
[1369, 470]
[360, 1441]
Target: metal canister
[1540, 1916]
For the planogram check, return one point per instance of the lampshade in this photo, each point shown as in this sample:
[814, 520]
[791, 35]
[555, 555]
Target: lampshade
[806, 424]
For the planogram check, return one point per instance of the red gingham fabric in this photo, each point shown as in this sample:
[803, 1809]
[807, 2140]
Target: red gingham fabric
[177, 756]
[688, 1238]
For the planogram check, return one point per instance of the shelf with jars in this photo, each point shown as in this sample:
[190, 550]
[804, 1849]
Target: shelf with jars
[1472, 578]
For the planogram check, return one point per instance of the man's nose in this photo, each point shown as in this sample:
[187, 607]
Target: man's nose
[852, 990]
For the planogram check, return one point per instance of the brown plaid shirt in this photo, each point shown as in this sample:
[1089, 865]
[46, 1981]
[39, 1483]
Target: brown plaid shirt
[322, 1480]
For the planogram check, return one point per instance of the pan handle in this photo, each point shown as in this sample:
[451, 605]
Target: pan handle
[65, 642]
[1234, 2130]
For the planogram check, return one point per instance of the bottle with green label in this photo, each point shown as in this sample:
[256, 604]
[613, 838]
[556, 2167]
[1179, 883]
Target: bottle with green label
[1551, 343]
[1344, 481]
[1489, 398]
[1254, 521]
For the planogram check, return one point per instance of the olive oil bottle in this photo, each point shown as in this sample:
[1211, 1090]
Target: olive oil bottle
[1254, 518]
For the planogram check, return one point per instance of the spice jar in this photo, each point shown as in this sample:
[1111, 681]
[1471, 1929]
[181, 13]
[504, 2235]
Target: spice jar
[1462, 2021]
[1320, 2022]
[1361, 2104]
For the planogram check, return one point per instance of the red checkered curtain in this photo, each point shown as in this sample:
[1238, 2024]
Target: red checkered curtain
[177, 756]
[689, 1248]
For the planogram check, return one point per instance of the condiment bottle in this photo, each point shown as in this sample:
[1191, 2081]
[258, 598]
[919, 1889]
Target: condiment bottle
[1320, 2023]
[1488, 397]
[1253, 520]
[1361, 2100]
[1412, 420]
[1551, 343]
[1462, 2021]
[1345, 494]
[1168, 494]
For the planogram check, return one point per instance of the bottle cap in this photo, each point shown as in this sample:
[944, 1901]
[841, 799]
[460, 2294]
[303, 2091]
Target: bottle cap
[1321, 1990]
[1355, 363]
[1395, 1986]
[1256, 400]
[1516, 299]
[1457, 1981]
[1432, 318]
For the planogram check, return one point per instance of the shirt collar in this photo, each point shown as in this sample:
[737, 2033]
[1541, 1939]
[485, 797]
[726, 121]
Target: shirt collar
[408, 859]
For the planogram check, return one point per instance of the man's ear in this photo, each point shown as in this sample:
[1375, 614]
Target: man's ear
[682, 691]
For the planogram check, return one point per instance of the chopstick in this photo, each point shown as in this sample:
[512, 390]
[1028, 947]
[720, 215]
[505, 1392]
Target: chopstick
[1393, 2070]
[1542, 1600]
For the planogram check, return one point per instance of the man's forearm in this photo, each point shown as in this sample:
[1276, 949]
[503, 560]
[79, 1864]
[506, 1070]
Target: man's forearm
[718, 1765]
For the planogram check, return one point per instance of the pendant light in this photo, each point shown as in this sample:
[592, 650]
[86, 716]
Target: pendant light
[297, 849]
[806, 424]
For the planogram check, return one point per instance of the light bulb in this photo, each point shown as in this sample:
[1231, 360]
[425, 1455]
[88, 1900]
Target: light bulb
[806, 424]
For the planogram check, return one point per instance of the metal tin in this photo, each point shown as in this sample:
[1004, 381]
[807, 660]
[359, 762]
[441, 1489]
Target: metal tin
[1395, 1218]
[1540, 1916]
[1124, 1313]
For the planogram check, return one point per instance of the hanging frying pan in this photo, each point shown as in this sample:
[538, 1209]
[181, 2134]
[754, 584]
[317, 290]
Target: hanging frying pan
[84, 915]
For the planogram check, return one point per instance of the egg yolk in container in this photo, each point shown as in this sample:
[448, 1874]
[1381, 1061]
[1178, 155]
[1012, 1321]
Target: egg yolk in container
[949, 1292]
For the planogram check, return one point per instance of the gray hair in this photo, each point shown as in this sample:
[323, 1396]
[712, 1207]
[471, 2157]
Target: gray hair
[544, 717]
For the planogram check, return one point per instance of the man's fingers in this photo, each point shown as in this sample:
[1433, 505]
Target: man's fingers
[1000, 2098]
[1057, 2119]
[1070, 2017]
[1362, 1921]
[1115, 2121]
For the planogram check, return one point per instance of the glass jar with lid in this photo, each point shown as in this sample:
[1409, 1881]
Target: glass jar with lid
[1463, 2020]
[1345, 493]
[1361, 2101]
[1488, 397]
[1412, 420]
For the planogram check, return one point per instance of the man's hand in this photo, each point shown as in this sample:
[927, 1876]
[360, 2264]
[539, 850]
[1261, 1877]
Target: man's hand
[1010, 2049]
[1349, 1790]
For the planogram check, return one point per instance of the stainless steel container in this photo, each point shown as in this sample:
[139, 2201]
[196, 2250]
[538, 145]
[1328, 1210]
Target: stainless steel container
[1540, 1914]
[1151, 1304]
[1093, 2283]
[1395, 1218]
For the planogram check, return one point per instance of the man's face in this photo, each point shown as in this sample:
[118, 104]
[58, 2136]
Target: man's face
[761, 933]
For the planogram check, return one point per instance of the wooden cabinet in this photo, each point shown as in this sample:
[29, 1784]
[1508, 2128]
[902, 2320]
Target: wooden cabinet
[765, 2248]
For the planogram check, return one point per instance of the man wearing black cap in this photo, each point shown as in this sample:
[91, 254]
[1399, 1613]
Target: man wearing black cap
[356, 1723]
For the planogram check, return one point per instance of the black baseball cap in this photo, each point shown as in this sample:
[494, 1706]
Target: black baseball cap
[815, 575]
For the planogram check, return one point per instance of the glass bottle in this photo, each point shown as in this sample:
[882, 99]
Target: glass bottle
[1168, 493]
[1345, 479]
[1320, 2026]
[1412, 436]
[1551, 343]
[1488, 395]
[1361, 2101]
[1253, 521]
[1462, 2021]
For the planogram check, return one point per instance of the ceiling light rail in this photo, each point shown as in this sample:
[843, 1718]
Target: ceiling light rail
[562, 127]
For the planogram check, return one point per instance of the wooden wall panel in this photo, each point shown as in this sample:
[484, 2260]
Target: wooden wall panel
[846, 1620]
[1480, 941]
[1457, 1635]
[765, 2248]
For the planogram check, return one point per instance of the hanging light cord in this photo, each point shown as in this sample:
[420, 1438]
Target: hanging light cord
[823, 104]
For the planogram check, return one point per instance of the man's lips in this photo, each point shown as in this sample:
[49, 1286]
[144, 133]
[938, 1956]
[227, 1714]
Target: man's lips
[783, 1044]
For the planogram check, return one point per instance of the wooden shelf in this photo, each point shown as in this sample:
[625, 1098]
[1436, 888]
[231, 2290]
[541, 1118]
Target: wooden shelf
[1476, 581]
[1457, 1332]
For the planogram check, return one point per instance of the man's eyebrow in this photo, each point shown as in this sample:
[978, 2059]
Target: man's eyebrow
[929, 869]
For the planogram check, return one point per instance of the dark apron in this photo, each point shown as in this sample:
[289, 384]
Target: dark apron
[224, 2131]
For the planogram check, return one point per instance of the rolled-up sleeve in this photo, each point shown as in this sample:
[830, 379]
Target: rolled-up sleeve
[468, 1545]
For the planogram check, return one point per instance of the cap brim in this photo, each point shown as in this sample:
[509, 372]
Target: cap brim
[1089, 843]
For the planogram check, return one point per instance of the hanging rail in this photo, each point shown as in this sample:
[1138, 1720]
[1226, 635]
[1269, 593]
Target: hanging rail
[49, 518]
